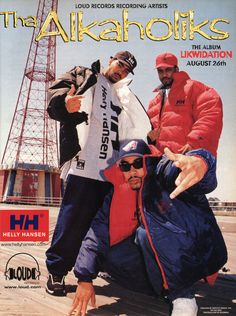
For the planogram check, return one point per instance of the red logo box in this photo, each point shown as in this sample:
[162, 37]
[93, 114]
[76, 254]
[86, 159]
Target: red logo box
[24, 225]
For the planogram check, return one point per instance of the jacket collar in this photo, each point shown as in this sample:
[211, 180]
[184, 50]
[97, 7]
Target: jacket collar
[96, 67]
[179, 78]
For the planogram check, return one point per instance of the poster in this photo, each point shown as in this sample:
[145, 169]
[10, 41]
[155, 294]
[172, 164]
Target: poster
[202, 36]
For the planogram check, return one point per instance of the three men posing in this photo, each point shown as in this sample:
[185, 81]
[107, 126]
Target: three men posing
[181, 119]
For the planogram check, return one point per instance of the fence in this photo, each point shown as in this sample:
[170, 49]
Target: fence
[29, 200]
[223, 206]
[217, 206]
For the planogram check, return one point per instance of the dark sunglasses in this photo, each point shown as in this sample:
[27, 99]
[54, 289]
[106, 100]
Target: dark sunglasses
[125, 166]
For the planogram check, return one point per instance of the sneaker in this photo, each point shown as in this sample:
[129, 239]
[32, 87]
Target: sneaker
[56, 285]
[105, 276]
[184, 307]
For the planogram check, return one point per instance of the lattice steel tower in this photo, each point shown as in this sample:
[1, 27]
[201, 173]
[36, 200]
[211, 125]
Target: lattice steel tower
[32, 145]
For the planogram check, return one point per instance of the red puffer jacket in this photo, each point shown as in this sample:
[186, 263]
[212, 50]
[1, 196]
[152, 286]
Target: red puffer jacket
[191, 114]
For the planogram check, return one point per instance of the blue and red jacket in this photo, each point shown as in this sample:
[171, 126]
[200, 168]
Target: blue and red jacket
[183, 233]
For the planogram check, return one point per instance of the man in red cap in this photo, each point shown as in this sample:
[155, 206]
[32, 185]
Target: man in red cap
[185, 114]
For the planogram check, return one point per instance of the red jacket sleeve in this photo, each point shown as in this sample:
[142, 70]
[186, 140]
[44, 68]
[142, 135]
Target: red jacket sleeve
[207, 115]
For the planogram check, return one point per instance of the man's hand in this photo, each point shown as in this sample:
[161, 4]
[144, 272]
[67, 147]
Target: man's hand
[192, 168]
[185, 149]
[73, 102]
[84, 293]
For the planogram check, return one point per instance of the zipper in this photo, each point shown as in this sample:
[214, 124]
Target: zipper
[165, 284]
[162, 102]
[160, 113]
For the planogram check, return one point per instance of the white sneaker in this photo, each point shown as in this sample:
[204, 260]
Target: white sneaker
[184, 307]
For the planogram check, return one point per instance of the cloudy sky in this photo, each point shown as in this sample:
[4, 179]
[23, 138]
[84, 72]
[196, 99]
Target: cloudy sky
[15, 42]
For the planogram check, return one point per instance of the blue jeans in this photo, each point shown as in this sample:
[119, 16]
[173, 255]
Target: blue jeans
[82, 199]
[132, 264]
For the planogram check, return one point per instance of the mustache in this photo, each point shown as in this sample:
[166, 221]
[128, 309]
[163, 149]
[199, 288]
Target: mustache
[133, 177]
[117, 74]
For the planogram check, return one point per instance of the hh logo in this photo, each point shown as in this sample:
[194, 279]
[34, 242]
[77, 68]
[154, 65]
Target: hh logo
[24, 222]
[80, 164]
[180, 102]
[24, 225]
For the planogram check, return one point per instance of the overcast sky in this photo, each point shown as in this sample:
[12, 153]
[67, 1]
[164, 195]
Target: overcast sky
[15, 42]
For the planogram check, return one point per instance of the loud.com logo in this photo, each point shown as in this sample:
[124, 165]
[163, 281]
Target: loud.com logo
[22, 267]
[24, 225]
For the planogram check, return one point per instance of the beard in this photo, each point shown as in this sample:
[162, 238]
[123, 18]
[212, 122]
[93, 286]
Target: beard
[167, 82]
[114, 77]
[135, 182]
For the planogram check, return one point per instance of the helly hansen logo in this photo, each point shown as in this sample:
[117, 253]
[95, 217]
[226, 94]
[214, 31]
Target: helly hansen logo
[80, 164]
[130, 61]
[180, 102]
[24, 225]
[24, 222]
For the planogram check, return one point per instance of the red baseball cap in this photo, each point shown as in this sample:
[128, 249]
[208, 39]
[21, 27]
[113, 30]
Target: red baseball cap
[166, 60]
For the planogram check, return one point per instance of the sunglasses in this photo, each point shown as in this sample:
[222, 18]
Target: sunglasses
[126, 166]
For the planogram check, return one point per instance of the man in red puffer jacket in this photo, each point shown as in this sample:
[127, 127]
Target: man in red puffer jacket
[185, 114]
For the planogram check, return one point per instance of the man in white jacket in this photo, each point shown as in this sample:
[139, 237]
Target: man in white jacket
[99, 107]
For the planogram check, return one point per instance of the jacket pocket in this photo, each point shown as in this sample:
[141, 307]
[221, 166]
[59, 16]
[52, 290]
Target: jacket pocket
[164, 223]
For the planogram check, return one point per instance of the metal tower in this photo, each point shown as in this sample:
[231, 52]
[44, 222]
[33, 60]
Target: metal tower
[30, 159]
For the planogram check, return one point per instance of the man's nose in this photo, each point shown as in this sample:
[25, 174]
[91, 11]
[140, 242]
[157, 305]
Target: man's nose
[164, 73]
[133, 170]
